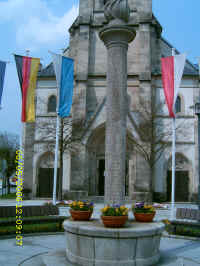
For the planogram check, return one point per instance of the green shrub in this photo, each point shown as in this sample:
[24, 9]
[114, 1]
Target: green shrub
[8, 196]
[182, 229]
[187, 231]
[32, 228]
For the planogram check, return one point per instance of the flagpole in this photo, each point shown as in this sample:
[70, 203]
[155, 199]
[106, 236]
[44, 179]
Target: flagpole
[173, 158]
[58, 65]
[173, 166]
[22, 123]
[57, 145]
[56, 156]
[21, 146]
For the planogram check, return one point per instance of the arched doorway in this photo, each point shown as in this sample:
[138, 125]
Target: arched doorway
[181, 179]
[45, 176]
[96, 163]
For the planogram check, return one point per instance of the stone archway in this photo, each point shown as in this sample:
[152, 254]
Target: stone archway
[182, 180]
[45, 170]
[96, 162]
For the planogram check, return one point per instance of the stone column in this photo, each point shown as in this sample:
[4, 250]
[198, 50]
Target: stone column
[116, 36]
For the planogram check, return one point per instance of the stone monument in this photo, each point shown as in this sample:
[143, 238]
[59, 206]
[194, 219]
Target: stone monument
[116, 36]
[90, 243]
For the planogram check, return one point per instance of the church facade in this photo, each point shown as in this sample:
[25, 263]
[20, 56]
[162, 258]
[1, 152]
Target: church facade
[84, 171]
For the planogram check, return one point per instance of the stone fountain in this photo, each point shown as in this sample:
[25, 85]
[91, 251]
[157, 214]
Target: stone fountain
[90, 243]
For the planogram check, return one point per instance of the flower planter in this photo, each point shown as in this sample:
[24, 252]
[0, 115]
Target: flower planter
[114, 221]
[144, 217]
[81, 215]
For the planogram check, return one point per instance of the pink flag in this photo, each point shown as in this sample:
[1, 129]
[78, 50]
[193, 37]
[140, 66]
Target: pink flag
[172, 71]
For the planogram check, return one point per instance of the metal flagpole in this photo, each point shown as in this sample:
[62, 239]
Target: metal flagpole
[56, 156]
[22, 123]
[21, 148]
[173, 159]
[56, 146]
[199, 143]
[173, 166]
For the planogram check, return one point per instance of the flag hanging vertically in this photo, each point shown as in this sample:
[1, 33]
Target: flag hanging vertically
[172, 71]
[27, 69]
[64, 69]
[2, 75]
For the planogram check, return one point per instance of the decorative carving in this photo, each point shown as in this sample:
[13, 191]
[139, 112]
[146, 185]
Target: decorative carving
[116, 9]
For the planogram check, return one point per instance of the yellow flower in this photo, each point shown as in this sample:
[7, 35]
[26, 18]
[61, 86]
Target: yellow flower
[74, 203]
[147, 206]
[166, 221]
[124, 213]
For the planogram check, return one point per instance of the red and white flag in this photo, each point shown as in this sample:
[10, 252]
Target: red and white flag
[172, 71]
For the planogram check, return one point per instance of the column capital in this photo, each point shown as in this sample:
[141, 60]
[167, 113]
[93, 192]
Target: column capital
[117, 35]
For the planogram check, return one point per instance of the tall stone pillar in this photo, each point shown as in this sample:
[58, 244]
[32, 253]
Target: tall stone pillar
[116, 36]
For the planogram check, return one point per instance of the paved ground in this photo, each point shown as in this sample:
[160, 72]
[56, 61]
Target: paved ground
[174, 251]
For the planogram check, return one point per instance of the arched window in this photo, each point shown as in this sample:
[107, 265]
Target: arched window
[51, 104]
[178, 104]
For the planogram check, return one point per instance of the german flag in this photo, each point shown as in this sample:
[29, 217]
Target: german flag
[27, 69]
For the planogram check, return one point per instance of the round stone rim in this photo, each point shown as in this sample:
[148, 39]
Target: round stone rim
[95, 227]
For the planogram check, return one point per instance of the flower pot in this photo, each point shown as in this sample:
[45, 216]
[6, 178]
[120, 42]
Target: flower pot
[144, 217]
[114, 221]
[81, 215]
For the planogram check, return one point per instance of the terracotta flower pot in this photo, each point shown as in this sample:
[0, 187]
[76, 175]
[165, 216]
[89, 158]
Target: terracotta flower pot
[81, 215]
[144, 217]
[114, 221]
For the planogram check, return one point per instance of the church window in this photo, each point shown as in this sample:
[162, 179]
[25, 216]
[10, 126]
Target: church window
[178, 104]
[52, 104]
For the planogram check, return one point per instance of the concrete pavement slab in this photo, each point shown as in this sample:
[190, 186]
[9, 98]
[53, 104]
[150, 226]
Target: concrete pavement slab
[12, 255]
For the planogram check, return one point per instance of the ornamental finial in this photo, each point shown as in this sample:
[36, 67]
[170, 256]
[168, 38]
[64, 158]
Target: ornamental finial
[116, 9]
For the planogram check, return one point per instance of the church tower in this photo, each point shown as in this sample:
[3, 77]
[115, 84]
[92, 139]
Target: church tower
[84, 171]
[89, 53]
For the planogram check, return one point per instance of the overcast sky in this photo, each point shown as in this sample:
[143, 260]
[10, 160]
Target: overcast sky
[42, 25]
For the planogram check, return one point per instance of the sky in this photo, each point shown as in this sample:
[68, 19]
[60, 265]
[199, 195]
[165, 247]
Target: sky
[42, 25]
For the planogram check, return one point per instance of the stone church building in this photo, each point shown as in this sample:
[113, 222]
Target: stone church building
[84, 171]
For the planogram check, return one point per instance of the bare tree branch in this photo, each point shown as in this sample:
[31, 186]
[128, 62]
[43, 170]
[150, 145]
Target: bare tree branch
[154, 131]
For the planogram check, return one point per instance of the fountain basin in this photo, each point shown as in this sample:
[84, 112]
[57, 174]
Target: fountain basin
[90, 243]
